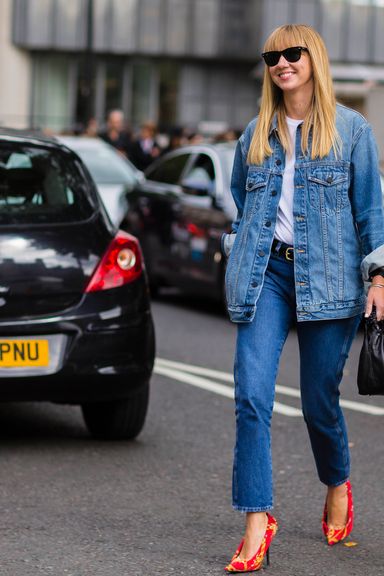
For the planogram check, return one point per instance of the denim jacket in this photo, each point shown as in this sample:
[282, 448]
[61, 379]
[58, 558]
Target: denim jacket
[338, 223]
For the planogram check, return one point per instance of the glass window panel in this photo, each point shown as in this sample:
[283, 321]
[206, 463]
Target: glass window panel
[235, 32]
[113, 83]
[70, 24]
[246, 95]
[333, 21]
[40, 185]
[101, 10]
[169, 170]
[141, 91]
[200, 178]
[206, 22]
[379, 36]
[124, 25]
[39, 22]
[51, 96]
[359, 33]
[150, 26]
[306, 11]
[191, 94]
[219, 92]
[19, 22]
[275, 13]
[178, 30]
[168, 73]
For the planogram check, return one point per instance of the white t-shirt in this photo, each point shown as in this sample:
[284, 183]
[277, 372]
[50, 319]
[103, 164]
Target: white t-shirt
[284, 223]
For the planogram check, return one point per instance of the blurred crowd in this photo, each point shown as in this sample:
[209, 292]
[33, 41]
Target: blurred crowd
[148, 143]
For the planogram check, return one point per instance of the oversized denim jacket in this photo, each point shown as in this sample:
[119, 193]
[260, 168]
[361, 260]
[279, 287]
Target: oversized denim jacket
[338, 223]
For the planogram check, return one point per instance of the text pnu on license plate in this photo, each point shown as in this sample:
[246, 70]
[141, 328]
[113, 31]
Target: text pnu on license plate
[18, 353]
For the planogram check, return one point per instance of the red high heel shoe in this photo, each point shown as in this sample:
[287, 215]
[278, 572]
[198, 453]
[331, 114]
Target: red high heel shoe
[256, 562]
[332, 535]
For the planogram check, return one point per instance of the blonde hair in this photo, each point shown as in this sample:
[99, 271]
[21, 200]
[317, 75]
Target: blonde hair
[321, 116]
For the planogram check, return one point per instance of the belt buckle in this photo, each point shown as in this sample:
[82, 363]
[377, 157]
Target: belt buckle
[289, 254]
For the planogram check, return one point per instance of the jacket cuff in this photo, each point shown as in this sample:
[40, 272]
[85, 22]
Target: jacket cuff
[371, 262]
[227, 241]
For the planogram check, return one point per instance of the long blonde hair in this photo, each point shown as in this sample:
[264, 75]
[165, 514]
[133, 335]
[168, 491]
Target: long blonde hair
[322, 113]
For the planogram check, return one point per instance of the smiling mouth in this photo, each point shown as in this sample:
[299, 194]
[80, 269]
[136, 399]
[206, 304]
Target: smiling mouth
[284, 75]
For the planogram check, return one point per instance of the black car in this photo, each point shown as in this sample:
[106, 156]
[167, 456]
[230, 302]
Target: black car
[75, 319]
[179, 213]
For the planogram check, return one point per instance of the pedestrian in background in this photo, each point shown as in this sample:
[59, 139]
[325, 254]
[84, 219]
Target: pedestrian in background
[176, 139]
[309, 231]
[91, 129]
[144, 150]
[116, 133]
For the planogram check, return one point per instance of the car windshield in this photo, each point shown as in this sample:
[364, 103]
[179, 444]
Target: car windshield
[105, 165]
[39, 184]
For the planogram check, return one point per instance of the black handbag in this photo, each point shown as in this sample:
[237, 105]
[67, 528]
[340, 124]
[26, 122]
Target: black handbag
[370, 376]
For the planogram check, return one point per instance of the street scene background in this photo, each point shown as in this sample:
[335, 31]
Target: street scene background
[161, 505]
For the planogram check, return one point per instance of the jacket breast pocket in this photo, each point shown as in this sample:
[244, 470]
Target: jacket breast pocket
[328, 188]
[255, 186]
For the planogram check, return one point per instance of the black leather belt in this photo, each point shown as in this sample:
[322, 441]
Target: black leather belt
[282, 249]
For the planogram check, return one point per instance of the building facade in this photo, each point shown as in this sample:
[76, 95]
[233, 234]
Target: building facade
[174, 61]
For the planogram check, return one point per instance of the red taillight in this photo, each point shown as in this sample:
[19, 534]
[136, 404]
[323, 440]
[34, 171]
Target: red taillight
[196, 230]
[122, 263]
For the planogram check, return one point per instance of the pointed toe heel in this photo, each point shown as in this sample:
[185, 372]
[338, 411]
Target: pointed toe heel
[256, 562]
[333, 535]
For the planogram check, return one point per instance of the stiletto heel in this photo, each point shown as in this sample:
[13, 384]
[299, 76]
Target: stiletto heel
[256, 562]
[333, 535]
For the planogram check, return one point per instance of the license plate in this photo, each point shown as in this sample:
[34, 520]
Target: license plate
[23, 353]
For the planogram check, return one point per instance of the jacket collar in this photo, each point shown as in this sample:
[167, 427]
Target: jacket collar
[273, 127]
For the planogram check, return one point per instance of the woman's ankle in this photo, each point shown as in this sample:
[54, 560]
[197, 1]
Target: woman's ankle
[337, 505]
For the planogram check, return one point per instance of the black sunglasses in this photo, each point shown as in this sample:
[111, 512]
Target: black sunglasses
[290, 54]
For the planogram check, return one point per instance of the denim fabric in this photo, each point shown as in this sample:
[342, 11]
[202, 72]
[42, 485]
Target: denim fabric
[338, 223]
[324, 348]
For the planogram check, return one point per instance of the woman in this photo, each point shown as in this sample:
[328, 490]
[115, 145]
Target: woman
[309, 232]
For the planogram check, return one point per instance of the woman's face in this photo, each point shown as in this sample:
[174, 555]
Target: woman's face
[292, 77]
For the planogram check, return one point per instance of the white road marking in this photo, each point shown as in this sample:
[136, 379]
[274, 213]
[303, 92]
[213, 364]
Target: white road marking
[183, 372]
[215, 387]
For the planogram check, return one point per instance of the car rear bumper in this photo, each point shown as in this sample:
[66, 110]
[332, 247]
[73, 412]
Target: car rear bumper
[102, 357]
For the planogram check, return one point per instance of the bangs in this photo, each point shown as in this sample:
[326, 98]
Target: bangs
[285, 37]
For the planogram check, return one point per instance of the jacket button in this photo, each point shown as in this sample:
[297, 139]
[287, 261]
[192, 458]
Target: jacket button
[248, 314]
[254, 284]
[274, 193]
[329, 179]
[278, 162]
[268, 224]
[261, 253]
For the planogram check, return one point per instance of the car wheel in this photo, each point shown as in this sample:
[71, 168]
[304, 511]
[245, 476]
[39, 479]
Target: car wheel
[117, 419]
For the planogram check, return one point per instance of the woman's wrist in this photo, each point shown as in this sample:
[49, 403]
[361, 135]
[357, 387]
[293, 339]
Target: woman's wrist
[377, 281]
[378, 272]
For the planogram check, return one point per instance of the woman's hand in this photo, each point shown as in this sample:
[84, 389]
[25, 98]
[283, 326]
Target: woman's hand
[376, 298]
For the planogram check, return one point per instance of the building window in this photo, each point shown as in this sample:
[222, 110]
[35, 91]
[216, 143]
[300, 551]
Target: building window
[114, 74]
[144, 93]
[52, 101]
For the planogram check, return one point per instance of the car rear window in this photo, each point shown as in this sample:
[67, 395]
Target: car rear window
[40, 184]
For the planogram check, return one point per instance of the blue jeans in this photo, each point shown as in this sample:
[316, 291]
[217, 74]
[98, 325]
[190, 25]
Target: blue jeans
[324, 347]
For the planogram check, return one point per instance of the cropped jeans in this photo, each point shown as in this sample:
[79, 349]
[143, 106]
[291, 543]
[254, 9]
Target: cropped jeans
[324, 347]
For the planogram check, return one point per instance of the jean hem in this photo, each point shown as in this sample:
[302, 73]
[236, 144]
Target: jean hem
[252, 509]
[335, 484]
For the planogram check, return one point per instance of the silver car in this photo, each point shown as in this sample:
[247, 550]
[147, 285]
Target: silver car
[113, 174]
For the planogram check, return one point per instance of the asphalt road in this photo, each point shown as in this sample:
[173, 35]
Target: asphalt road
[161, 505]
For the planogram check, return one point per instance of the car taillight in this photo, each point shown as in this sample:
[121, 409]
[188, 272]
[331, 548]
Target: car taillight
[122, 263]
